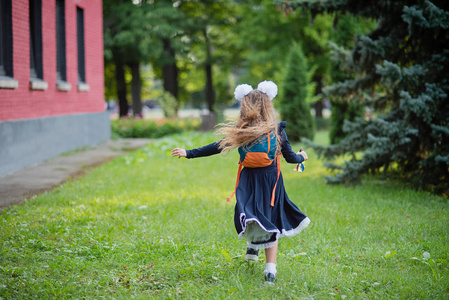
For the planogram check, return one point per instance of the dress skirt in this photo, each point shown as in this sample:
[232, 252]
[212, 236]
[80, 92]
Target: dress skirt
[255, 219]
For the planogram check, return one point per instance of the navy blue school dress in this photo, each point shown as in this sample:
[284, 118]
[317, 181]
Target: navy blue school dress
[255, 219]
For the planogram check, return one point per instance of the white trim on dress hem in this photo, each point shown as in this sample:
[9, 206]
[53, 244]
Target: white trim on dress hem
[285, 233]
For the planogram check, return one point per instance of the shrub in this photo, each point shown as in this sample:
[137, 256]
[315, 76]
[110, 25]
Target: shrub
[144, 128]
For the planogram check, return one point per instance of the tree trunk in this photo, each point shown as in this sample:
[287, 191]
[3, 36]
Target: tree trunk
[136, 87]
[121, 87]
[210, 95]
[170, 70]
[319, 104]
[318, 109]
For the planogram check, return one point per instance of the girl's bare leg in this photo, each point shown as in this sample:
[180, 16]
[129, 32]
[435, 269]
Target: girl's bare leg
[271, 253]
[270, 267]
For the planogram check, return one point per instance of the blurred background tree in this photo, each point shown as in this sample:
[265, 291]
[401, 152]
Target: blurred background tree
[125, 46]
[204, 48]
[294, 107]
[211, 39]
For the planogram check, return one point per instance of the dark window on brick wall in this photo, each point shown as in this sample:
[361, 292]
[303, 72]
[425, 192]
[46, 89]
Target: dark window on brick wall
[36, 69]
[6, 38]
[80, 40]
[60, 41]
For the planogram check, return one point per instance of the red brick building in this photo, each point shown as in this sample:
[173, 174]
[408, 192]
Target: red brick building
[51, 79]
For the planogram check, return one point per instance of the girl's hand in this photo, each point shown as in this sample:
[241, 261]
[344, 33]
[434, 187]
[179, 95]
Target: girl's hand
[178, 152]
[304, 154]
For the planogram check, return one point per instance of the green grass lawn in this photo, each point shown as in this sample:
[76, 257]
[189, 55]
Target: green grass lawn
[150, 226]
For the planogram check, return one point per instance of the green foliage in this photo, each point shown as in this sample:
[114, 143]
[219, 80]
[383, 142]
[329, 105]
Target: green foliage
[212, 52]
[149, 226]
[110, 90]
[400, 70]
[168, 104]
[342, 111]
[294, 107]
[125, 35]
[165, 21]
[145, 128]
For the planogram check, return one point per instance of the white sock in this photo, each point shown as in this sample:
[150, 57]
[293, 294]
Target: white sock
[270, 268]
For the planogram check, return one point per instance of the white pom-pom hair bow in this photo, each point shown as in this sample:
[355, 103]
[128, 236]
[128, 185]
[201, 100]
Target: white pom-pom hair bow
[242, 90]
[267, 87]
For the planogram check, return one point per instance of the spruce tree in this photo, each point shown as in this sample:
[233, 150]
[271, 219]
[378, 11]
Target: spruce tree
[402, 72]
[293, 105]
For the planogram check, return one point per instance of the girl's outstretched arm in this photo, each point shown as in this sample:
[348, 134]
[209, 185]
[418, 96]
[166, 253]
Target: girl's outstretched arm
[178, 152]
[207, 150]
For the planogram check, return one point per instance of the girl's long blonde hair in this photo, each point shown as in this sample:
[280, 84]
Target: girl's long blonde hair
[257, 117]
